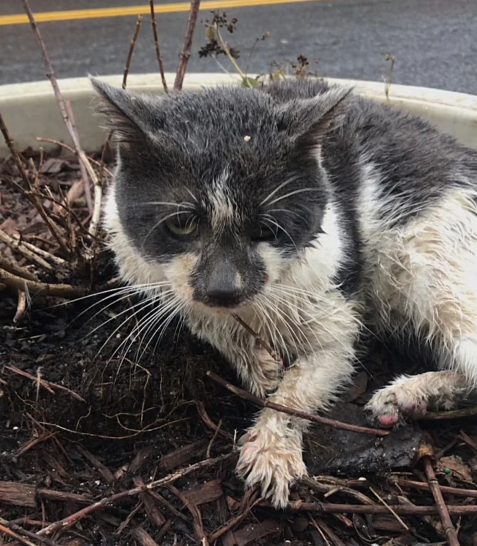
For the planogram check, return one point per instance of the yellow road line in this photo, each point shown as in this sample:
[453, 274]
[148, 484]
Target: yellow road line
[48, 16]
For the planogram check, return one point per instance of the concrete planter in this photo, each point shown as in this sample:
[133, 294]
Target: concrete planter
[30, 110]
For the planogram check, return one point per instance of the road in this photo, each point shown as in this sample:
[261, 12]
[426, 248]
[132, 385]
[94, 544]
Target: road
[434, 42]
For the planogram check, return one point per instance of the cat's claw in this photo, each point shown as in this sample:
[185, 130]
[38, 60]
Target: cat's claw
[272, 460]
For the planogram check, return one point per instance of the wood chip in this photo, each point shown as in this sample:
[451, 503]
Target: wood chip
[18, 494]
[207, 492]
[181, 456]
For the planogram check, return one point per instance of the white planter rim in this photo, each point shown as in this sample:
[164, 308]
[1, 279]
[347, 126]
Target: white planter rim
[30, 109]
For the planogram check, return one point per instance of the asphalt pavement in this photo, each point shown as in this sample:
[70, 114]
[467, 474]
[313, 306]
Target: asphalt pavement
[434, 42]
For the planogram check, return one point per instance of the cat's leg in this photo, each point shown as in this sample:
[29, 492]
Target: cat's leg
[271, 451]
[427, 276]
[410, 396]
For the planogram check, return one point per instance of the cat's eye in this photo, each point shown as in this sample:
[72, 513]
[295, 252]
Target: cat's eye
[263, 233]
[182, 227]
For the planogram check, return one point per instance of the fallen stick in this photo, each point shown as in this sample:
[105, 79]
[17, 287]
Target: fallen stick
[402, 510]
[472, 493]
[15, 269]
[4, 529]
[440, 504]
[35, 287]
[296, 413]
[93, 227]
[158, 48]
[450, 414]
[77, 516]
[187, 45]
[16, 244]
[16, 528]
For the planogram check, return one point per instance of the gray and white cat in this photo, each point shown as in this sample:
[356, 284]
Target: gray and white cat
[301, 208]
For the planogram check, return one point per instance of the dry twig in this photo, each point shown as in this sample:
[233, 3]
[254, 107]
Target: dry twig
[14, 527]
[45, 289]
[68, 122]
[471, 493]
[16, 244]
[131, 50]
[187, 45]
[406, 510]
[158, 48]
[32, 197]
[296, 413]
[440, 503]
[77, 516]
[15, 269]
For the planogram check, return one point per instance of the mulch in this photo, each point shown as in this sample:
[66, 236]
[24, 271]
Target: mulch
[110, 437]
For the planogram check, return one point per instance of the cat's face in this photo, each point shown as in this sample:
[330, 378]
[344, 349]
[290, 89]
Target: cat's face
[215, 193]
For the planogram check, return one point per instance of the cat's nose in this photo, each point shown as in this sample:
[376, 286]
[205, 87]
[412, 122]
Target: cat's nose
[224, 291]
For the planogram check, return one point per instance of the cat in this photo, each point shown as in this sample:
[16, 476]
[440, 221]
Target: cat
[302, 208]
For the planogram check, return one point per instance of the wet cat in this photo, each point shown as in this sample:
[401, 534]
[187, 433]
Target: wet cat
[301, 207]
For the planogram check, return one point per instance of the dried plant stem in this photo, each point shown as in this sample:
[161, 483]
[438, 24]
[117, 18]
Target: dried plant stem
[440, 503]
[267, 347]
[15, 269]
[158, 48]
[296, 413]
[17, 245]
[402, 510]
[14, 527]
[472, 493]
[449, 414]
[34, 287]
[77, 516]
[72, 150]
[43, 253]
[131, 50]
[4, 529]
[187, 45]
[22, 306]
[93, 227]
[27, 190]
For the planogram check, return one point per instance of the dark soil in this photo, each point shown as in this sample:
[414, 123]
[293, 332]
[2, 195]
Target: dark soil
[83, 417]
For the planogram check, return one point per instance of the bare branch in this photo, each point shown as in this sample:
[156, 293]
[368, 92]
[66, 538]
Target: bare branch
[158, 49]
[187, 45]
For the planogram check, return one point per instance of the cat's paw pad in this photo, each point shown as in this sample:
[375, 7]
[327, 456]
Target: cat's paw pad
[272, 460]
[393, 404]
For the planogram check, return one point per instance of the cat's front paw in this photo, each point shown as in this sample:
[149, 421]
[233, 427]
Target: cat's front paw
[272, 459]
[395, 403]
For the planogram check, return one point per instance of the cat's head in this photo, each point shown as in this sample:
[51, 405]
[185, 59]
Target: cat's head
[216, 192]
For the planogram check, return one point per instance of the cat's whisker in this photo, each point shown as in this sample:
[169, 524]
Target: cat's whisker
[271, 221]
[126, 294]
[172, 303]
[276, 190]
[183, 204]
[296, 192]
[143, 324]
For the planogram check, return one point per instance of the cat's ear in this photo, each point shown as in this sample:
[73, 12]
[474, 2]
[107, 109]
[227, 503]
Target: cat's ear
[309, 120]
[126, 113]
[329, 107]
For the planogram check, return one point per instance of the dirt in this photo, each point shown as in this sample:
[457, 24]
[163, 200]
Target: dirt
[83, 418]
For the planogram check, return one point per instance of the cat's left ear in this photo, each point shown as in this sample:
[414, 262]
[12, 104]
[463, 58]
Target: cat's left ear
[330, 106]
[311, 119]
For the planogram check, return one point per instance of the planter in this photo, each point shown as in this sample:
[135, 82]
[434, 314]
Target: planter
[30, 110]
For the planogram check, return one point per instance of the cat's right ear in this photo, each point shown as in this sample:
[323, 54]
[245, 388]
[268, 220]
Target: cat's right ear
[126, 113]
